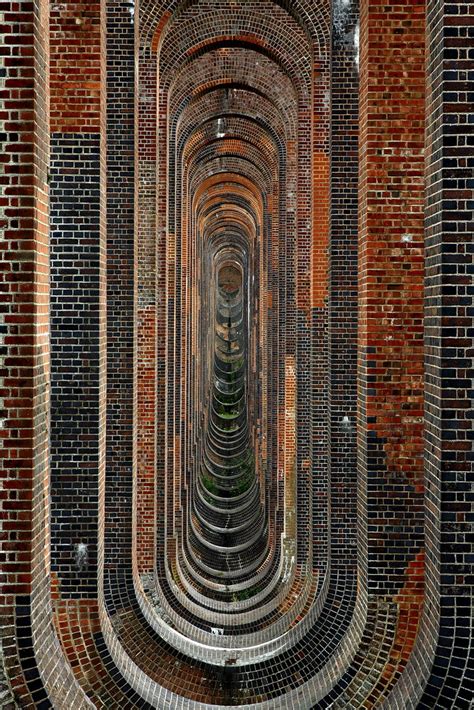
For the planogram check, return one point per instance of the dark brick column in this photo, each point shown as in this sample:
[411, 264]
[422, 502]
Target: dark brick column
[449, 348]
[343, 285]
[120, 283]
[77, 292]
[24, 322]
[38, 673]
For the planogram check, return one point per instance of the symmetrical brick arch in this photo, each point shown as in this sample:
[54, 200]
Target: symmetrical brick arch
[237, 361]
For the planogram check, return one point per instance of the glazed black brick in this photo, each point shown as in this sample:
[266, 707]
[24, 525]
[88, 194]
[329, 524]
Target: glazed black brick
[342, 304]
[328, 144]
[449, 371]
[75, 351]
[120, 283]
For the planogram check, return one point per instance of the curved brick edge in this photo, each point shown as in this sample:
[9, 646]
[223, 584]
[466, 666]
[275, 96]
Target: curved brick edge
[133, 653]
[384, 649]
[158, 696]
[434, 684]
[7, 697]
[449, 350]
[78, 627]
[33, 659]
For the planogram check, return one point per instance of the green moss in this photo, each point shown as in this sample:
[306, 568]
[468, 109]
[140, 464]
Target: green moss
[244, 594]
[209, 485]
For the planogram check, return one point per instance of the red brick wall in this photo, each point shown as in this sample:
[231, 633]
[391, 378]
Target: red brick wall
[29, 643]
[282, 181]
[77, 238]
[150, 329]
[391, 256]
[76, 61]
[24, 313]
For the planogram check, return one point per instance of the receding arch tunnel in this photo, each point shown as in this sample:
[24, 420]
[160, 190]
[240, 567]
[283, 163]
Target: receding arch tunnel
[237, 317]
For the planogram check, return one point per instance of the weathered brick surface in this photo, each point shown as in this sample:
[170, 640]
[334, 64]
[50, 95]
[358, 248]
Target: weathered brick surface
[33, 659]
[194, 147]
[76, 322]
[391, 348]
[117, 530]
[24, 321]
[76, 44]
[448, 378]
[342, 299]
[147, 320]
[77, 258]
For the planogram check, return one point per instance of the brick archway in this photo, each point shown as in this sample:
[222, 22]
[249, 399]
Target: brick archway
[238, 353]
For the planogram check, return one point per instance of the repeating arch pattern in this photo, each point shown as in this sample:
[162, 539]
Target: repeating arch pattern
[243, 479]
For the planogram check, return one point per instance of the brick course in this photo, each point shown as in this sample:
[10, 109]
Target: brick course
[156, 154]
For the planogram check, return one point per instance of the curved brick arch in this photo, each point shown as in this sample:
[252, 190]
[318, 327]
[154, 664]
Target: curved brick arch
[234, 147]
[242, 136]
[216, 104]
[211, 201]
[239, 65]
[330, 583]
[199, 36]
[212, 169]
[254, 134]
[314, 17]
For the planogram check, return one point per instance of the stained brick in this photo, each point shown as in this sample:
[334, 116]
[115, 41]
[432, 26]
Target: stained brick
[313, 156]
